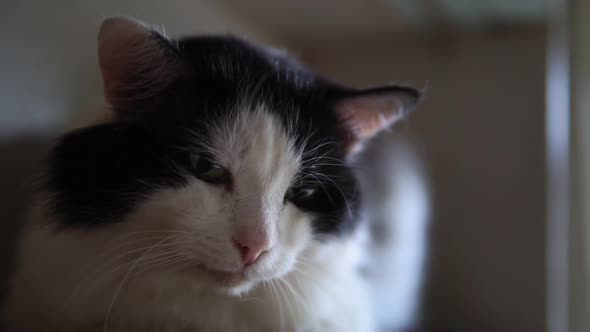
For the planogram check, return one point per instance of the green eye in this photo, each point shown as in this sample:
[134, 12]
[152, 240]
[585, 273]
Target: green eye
[209, 171]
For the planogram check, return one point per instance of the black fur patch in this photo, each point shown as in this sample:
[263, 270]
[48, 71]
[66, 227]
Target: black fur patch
[97, 175]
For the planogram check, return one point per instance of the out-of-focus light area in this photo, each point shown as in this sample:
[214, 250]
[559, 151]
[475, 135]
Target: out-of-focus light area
[480, 132]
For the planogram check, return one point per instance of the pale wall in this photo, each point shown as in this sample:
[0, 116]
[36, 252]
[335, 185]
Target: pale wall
[48, 59]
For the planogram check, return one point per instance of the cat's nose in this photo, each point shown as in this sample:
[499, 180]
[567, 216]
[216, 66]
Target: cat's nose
[251, 247]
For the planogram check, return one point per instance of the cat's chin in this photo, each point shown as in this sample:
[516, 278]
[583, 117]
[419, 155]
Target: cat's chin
[233, 283]
[237, 290]
[228, 283]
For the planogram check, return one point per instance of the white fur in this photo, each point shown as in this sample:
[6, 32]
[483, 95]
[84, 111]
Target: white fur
[140, 274]
[396, 188]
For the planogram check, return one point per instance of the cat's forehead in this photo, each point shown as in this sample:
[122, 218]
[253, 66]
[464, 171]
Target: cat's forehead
[238, 59]
[255, 142]
[225, 71]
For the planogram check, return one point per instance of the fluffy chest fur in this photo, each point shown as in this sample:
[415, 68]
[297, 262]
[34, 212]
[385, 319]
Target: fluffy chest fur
[221, 197]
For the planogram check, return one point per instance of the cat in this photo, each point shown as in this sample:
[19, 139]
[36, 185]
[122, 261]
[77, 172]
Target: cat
[222, 195]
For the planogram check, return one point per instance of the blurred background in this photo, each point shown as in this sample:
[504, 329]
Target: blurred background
[493, 130]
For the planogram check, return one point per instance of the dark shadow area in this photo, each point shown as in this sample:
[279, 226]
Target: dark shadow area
[20, 159]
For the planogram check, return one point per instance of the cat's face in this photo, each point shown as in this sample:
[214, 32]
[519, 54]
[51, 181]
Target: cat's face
[226, 160]
[235, 216]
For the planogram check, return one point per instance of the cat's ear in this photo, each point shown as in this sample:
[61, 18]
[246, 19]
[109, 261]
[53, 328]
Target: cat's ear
[365, 113]
[136, 61]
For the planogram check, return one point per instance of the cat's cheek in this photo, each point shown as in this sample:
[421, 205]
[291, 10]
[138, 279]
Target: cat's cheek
[294, 227]
[294, 236]
[198, 218]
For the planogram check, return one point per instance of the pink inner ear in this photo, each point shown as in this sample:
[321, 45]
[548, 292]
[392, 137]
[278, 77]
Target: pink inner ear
[365, 116]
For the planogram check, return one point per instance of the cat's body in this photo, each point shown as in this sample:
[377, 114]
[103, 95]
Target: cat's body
[221, 197]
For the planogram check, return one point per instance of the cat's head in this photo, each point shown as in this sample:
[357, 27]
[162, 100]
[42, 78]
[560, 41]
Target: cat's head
[225, 160]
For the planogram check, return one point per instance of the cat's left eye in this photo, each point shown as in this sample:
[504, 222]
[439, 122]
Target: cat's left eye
[208, 170]
[299, 194]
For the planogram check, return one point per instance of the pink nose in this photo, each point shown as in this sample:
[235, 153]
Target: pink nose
[251, 248]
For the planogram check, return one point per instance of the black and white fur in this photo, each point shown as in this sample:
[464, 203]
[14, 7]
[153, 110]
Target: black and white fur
[127, 236]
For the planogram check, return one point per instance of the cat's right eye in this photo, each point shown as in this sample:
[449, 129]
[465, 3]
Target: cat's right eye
[208, 170]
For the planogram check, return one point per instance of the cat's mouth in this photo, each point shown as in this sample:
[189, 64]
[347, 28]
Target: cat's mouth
[228, 279]
[224, 278]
